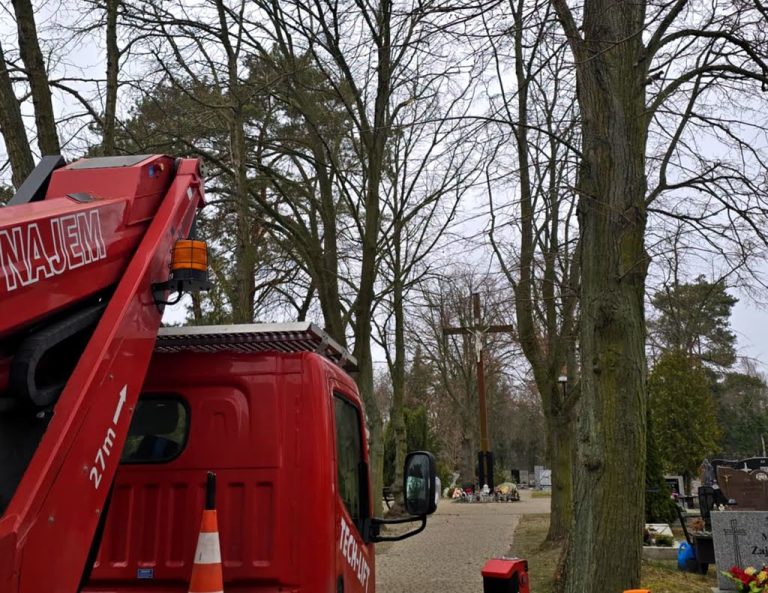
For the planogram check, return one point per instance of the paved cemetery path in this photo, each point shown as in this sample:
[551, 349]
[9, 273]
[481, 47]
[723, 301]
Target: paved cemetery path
[448, 555]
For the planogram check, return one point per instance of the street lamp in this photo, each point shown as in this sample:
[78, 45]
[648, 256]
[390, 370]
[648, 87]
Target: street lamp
[563, 380]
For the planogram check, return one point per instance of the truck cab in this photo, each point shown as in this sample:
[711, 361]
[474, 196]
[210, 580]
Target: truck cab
[284, 431]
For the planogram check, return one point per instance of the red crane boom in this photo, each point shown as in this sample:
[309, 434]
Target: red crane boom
[82, 267]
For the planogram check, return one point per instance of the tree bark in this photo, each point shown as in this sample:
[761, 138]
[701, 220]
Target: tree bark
[245, 251]
[113, 67]
[398, 372]
[560, 447]
[609, 478]
[374, 421]
[247, 225]
[374, 140]
[12, 127]
[32, 56]
[327, 280]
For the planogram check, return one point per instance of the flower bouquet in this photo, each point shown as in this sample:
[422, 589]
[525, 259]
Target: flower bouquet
[750, 579]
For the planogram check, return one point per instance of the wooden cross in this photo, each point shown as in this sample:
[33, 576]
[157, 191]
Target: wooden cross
[478, 331]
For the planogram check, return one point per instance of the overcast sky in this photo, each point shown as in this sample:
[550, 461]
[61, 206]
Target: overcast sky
[750, 323]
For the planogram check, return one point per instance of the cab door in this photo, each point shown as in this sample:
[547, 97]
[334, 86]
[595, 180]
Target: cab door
[354, 558]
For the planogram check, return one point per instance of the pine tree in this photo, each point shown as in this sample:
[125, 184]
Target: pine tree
[695, 318]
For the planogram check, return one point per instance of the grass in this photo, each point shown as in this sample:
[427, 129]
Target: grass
[541, 494]
[542, 558]
[658, 577]
[664, 577]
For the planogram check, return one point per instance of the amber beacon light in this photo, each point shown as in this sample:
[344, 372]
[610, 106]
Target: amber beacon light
[189, 254]
[189, 271]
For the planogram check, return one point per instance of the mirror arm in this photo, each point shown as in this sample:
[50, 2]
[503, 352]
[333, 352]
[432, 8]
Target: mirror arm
[376, 523]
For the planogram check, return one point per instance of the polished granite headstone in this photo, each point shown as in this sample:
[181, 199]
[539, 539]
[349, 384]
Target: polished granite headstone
[749, 490]
[740, 539]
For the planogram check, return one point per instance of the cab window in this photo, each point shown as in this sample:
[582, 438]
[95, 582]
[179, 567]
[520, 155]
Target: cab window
[349, 456]
[158, 431]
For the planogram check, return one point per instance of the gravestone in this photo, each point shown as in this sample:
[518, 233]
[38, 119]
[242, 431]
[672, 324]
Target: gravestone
[748, 465]
[754, 463]
[525, 478]
[545, 479]
[749, 491]
[675, 483]
[740, 539]
[659, 529]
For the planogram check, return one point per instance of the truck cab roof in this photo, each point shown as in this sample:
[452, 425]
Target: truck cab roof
[301, 336]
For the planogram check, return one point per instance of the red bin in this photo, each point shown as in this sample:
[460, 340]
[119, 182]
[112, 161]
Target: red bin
[506, 575]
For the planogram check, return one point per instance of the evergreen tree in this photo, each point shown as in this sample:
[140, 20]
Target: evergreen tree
[419, 437]
[695, 318]
[682, 412]
[659, 506]
[742, 411]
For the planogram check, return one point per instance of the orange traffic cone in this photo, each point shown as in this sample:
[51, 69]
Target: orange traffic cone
[207, 576]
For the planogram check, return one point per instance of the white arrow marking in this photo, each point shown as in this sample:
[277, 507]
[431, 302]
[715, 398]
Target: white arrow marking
[123, 395]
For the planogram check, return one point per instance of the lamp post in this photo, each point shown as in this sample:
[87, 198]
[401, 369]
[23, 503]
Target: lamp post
[563, 381]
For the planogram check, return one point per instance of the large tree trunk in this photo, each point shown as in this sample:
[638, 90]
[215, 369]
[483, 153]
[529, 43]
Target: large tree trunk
[374, 421]
[245, 250]
[398, 381]
[609, 477]
[113, 66]
[12, 127]
[363, 322]
[375, 139]
[544, 330]
[560, 446]
[558, 415]
[47, 138]
[327, 278]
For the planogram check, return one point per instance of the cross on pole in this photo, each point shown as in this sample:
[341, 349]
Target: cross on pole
[478, 331]
[736, 533]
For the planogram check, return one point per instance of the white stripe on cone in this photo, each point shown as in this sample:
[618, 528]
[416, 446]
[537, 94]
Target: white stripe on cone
[208, 550]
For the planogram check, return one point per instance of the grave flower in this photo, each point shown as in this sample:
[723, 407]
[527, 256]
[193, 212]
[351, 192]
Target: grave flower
[750, 579]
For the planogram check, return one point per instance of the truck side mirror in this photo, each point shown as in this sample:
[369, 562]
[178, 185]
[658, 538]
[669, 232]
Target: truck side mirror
[419, 476]
[419, 490]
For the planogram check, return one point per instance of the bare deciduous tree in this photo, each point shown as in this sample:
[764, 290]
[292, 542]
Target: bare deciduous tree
[373, 58]
[37, 75]
[538, 258]
[622, 53]
[12, 127]
[434, 159]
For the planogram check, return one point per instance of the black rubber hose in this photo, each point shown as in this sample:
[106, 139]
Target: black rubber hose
[24, 375]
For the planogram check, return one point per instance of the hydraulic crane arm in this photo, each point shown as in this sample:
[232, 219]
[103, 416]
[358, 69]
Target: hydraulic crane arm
[103, 238]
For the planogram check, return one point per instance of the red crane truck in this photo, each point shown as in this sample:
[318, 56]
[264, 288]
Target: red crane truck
[109, 424]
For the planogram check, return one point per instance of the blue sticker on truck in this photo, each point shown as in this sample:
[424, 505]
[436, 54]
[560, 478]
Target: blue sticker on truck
[145, 573]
